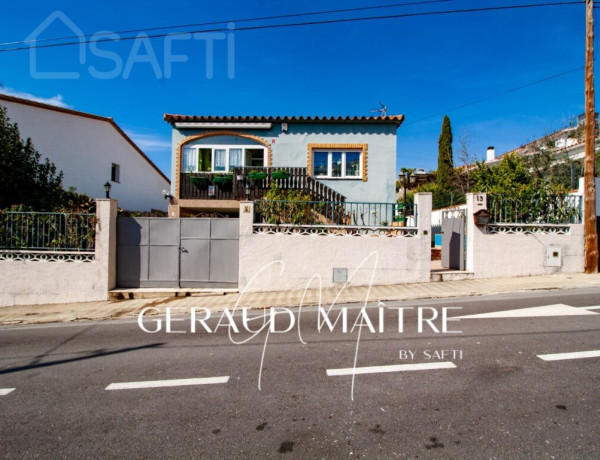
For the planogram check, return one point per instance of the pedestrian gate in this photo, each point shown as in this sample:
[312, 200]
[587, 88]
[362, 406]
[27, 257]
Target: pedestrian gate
[453, 239]
[186, 252]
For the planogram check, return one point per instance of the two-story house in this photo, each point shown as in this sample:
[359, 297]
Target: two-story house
[218, 161]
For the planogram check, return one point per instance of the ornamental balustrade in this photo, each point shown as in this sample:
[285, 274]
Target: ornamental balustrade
[47, 236]
[335, 218]
[537, 213]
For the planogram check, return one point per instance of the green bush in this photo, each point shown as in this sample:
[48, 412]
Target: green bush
[286, 206]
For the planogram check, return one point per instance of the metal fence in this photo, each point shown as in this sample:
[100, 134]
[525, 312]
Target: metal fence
[350, 214]
[46, 231]
[535, 209]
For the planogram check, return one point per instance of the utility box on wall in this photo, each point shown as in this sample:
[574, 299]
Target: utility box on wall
[553, 256]
[340, 275]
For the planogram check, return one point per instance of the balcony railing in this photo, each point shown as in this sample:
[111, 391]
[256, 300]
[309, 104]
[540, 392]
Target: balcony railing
[232, 186]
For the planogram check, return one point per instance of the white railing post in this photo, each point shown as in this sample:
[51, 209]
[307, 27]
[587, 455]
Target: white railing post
[106, 244]
[475, 202]
[423, 203]
[246, 222]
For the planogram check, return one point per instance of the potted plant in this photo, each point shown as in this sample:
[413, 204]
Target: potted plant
[257, 175]
[223, 179]
[199, 180]
[280, 174]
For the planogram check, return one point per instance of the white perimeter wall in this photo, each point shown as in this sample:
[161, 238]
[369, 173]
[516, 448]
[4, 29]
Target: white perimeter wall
[507, 255]
[26, 282]
[85, 149]
[399, 259]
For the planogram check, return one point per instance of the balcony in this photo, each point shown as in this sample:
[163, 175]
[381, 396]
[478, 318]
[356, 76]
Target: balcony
[232, 186]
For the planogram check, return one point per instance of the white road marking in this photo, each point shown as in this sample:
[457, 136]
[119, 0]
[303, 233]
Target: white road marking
[546, 310]
[5, 391]
[390, 368]
[167, 383]
[591, 308]
[573, 355]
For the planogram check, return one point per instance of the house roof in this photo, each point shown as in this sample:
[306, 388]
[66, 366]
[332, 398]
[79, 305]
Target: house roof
[392, 119]
[527, 148]
[76, 113]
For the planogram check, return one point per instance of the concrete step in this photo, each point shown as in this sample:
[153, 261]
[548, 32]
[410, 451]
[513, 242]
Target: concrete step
[450, 275]
[154, 293]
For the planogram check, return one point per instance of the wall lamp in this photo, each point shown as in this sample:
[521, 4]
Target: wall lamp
[107, 188]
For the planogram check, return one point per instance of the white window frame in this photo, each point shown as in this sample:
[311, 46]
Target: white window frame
[330, 153]
[214, 147]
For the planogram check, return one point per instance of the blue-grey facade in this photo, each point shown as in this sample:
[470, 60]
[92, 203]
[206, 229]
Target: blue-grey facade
[289, 142]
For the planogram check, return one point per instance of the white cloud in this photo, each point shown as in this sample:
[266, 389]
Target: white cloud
[149, 142]
[56, 100]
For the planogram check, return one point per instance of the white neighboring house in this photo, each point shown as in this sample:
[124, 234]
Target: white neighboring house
[90, 150]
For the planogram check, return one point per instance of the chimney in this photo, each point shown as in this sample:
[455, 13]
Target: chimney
[491, 154]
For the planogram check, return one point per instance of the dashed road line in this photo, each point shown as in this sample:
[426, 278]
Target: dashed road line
[573, 355]
[167, 383]
[390, 368]
[5, 391]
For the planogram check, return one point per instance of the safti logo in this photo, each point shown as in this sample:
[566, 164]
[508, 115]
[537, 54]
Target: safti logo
[36, 35]
[145, 53]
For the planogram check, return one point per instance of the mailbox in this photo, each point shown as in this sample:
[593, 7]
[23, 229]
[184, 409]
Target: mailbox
[482, 217]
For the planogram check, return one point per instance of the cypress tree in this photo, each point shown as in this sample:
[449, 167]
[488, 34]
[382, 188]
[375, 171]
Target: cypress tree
[445, 170]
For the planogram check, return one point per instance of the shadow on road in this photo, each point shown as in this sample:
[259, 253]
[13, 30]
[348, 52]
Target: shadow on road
[96, 354]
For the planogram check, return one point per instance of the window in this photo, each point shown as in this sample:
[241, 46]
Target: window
[321, 164]
[334, 164]
[220, 159]
[204, 159]
[338, 161]
[189, 159]
[115, 173]
[255, 157]
[235, 158]
[224, 158]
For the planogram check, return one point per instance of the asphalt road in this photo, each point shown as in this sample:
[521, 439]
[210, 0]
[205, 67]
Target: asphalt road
[485, 392]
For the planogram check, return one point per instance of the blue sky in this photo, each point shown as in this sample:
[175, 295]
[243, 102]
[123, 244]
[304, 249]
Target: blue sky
[422, 67]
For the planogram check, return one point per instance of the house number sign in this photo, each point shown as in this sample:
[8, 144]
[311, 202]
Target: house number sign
[480, 201]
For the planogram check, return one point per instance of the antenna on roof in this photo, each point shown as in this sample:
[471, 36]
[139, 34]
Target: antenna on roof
[382, 110]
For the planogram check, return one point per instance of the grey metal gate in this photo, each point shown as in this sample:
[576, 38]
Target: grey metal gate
[453, 239]
[167, 252]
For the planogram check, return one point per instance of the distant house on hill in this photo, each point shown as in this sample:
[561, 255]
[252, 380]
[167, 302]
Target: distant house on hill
[90, 150]
[566, 144]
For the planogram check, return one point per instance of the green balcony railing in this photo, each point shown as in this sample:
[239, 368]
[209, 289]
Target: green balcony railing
[350, 214]
[535, 209]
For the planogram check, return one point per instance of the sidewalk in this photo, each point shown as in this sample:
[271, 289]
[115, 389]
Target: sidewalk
[34, 314]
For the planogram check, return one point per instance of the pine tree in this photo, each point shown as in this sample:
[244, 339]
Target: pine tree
[445, 171]
[24, 179]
